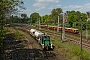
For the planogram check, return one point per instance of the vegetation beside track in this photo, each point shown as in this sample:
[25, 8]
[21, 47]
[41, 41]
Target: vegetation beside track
[14, 33]
[39, 54]
[16, 36]
[20, 35]
[67, 34]
[69, 50]
[27, 35]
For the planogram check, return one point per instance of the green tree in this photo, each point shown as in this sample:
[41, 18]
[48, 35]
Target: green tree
[7, 7]
[46, 18]
[24, 18]
[88, 14]
[34, 17]
[16, 19]
[88, 19]
[84, 20]
[55, 13]
[74, 19]
[42, 20]
[50, 19]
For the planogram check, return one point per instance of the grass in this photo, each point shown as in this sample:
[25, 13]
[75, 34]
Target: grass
[84, 32]
[70, 50]
[30, 38]
[51, 31]
[13, 32]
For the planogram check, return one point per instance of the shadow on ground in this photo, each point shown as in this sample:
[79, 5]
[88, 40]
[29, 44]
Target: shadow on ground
[14, 50]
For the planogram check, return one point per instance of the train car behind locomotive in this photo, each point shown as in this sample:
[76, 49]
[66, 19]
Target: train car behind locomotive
[32, 31]
[37, 34]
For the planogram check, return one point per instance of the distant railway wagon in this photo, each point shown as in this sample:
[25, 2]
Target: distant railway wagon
[69, 30]
[43, 39]
[72, 30]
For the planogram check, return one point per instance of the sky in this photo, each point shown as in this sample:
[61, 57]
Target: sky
[45, 6]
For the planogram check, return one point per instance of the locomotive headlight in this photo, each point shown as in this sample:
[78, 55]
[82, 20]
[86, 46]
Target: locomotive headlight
[42, 45]
[51, 45]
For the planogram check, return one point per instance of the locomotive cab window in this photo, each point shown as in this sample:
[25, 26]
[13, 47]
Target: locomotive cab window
[46, 37]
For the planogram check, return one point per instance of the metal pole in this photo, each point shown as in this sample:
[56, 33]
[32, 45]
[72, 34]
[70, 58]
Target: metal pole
[58, 25]
[63, 30]
[81, 37]
[81, 33]
[86, 33]
[39, 23]
[31, 21]
[87, 28]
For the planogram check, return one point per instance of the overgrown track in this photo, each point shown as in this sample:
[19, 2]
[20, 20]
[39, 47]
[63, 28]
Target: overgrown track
[50, 55]
[85, 44]
[16, 51]
[46, 55]
[77, 41]
[78, 35]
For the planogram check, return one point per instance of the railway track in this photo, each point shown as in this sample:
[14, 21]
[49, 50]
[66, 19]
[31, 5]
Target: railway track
[16, 51]
[77, 41]
[47, 55]
[50, 55]
[29, 43]
[84, 37]
[30, 52]
[85, 44]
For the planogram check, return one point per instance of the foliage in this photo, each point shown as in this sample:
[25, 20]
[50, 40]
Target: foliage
[12, 19]
[46, 18]
[24, 18]
[7, 7]
[17, 35]
[55, 13]
[34, 17]
[74, 18]
[52, 18]
[88, 24]
[71, 50]
[88, 14]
